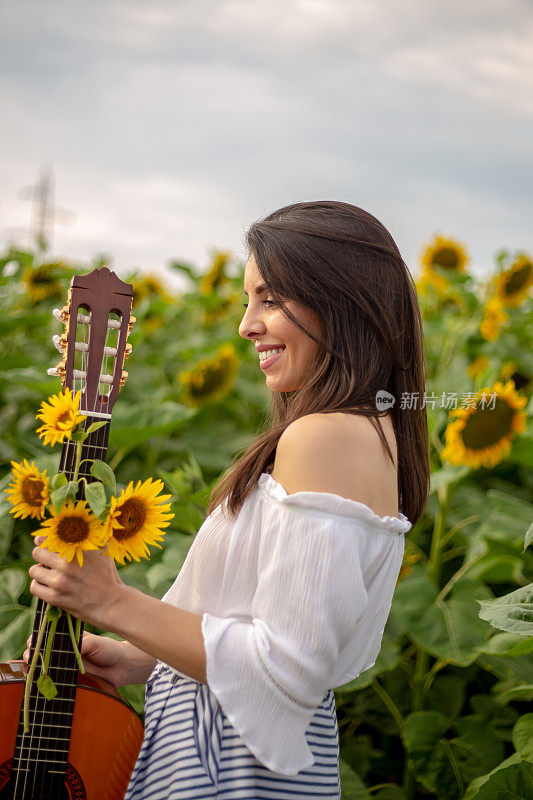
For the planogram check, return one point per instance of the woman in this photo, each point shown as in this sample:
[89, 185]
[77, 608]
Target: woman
[288, 584]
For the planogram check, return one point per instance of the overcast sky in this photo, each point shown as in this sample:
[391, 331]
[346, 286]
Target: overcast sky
[171, 126]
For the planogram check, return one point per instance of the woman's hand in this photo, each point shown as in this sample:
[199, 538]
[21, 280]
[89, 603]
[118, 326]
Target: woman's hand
[101, 656]
[87, 592]
[118, 662]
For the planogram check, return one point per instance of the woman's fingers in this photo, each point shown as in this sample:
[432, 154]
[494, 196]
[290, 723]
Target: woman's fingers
[88, 643]
[44, 556]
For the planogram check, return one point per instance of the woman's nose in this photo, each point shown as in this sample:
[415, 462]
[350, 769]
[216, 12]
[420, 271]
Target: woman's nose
[251, 325]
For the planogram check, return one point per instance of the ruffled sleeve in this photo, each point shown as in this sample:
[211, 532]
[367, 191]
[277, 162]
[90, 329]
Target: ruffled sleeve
[271, 674]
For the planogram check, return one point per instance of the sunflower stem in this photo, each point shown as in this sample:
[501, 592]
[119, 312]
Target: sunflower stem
[75, 644]
[434, 565]
[49, 642]
[117, 458]
[78, 629]
[31, 670]
[78, 461]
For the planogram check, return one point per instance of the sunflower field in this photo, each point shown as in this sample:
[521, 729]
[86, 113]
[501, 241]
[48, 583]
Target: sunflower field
[444, 712]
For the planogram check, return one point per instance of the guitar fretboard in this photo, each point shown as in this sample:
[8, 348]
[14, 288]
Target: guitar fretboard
[48, 740]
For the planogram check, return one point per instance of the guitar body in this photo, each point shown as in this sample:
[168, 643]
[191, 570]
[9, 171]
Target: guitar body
[105, 740]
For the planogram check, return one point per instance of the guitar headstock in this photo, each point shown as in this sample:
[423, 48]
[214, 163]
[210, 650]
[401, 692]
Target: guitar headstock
[97, 321]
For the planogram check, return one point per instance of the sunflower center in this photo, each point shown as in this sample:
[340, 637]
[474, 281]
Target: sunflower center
[72, 529]
[208, 381]
[487, 426]
[64, 417]
[132, 516]
[41, 276]
[518, 279]
[446, 257]
[32, 491]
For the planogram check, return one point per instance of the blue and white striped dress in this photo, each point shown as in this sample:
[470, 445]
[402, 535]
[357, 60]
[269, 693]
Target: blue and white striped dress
[190, 750]
[294, 595]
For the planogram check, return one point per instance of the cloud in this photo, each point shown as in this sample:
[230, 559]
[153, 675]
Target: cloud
[172, 125]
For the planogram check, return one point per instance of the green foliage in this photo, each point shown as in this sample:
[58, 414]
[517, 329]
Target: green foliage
[513, 612]
[443, 711]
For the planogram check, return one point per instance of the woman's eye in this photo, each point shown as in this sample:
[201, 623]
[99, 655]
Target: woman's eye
[270, 303]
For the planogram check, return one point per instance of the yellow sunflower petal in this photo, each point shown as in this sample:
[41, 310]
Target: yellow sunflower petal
[60, 415]
[135, 519]
[71, 531]
[512, 285]
[28, 492]
[482, 436]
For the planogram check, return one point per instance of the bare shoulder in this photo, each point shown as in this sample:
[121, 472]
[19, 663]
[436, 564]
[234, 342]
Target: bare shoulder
[341, 454]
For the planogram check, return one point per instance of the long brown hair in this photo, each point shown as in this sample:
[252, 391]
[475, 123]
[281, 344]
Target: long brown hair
[342, 263]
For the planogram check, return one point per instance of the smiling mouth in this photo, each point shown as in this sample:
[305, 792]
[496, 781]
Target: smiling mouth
[273, 351]
[266, 362]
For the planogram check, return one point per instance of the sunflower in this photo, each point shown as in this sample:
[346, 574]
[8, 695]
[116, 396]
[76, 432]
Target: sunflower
[28, 493]
[222, 309]
[42, 282]
[447, 255]
[60, 416]
[211, 281]
[211, 379]
[71, 531]
[147, 286]
[520, 376]
[410, 557]
[481, 436]
[135, 520]
[477, 366]
[431, 279]
[512, 285]
[493, 318]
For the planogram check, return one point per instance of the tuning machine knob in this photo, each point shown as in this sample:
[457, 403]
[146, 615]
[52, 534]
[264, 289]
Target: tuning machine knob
[61, 314]
[58, 371]
[60, 341]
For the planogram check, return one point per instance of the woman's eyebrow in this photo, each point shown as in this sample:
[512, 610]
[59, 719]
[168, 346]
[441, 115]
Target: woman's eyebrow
[258, 289]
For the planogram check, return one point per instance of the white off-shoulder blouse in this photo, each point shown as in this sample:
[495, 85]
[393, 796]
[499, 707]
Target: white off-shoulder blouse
[294, 592]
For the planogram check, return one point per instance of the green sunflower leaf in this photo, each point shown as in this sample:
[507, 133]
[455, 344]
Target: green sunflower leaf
[46, 686]
[95, 426]
[64, 493]
[104, 473]
[95, 496]
[512, 612]
[59, 480]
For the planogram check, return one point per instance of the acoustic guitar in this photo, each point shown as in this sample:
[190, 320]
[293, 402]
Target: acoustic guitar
[83, 743]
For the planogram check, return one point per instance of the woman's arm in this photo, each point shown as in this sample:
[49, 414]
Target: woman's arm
[95, 594]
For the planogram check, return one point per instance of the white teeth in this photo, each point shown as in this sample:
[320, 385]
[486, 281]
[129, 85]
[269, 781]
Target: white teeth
[269, 353]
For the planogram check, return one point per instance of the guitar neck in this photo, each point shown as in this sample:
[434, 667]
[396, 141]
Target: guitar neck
[51, 720]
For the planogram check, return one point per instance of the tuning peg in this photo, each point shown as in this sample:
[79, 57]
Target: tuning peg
[123, 378]
[128, 350]
[130, 324]
[60, 342]
[61, 314]
[58, 370]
